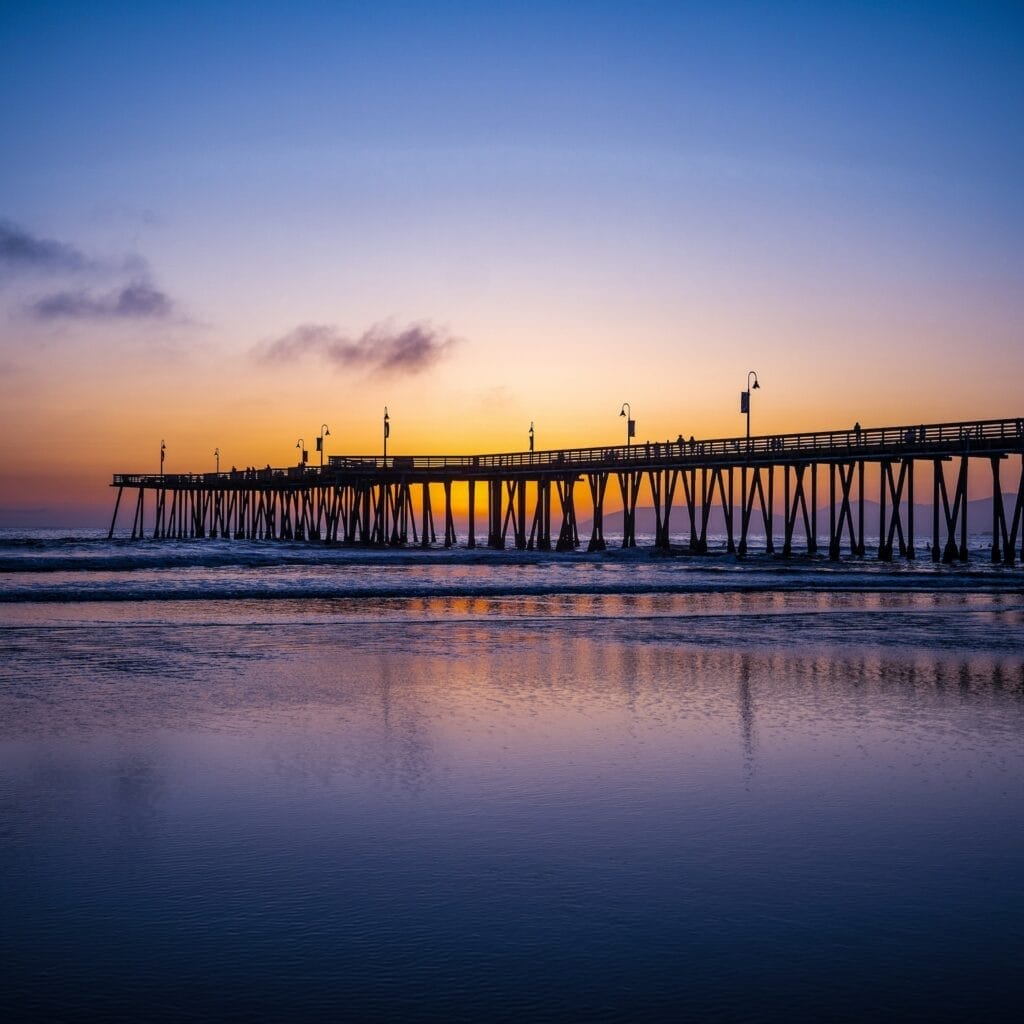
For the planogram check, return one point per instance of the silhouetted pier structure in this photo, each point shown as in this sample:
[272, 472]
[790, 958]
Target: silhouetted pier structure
[533, 499]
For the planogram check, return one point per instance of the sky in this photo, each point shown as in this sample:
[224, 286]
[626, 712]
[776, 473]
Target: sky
[224, 226]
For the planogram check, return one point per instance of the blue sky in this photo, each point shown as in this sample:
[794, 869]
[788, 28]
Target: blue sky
[597, 202]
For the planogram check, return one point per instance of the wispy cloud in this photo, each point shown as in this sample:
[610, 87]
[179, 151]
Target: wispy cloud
[21, 250]
[381, 350]
[139, 300]
[112, 289]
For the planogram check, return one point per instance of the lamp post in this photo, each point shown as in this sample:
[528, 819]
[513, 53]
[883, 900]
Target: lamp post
[627, 412]
[531, 435]
[387, 434]
[745, 401]
[325, 431]
[216, 455]
[303, 454]
[163, 449]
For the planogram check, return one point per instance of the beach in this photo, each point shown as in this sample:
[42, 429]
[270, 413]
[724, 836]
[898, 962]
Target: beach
[255, 782]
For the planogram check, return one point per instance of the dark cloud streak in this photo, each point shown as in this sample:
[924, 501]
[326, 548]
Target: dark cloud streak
[20, 250]
[134, 297]
[381, 350]
[138, 300]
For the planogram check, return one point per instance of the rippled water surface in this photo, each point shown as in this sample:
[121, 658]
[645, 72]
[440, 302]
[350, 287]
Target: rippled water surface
[527, 789]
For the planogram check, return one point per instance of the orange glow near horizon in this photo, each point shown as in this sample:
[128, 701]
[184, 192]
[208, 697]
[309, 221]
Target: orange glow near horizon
[67, 431]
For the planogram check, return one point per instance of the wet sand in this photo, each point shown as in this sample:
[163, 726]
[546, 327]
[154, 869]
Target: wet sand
[455, 811]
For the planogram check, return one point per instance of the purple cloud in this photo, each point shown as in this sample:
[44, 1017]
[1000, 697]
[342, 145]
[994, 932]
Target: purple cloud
[20, 250]
[138, 300]
[381, 349]
[134, 297]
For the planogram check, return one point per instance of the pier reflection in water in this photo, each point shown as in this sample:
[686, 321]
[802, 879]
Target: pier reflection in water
[498, 809]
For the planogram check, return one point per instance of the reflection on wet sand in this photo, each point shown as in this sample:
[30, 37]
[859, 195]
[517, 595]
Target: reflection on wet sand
[499, 802]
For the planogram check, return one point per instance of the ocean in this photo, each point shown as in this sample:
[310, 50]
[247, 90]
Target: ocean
[268, 781]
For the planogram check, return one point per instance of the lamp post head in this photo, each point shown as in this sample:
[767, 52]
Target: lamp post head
[757, 386]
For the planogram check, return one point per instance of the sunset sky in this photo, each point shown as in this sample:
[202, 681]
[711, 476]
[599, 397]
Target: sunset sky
[225, 225]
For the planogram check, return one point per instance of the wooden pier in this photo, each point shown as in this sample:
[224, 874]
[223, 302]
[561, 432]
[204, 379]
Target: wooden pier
[538, 500]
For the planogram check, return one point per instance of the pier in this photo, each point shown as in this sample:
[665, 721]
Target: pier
[764, 488]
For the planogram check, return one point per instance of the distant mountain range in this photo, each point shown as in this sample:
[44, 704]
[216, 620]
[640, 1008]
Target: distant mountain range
[979, 520]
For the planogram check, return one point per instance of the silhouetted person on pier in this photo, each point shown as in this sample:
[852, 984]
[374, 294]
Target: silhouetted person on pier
[856, 431]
